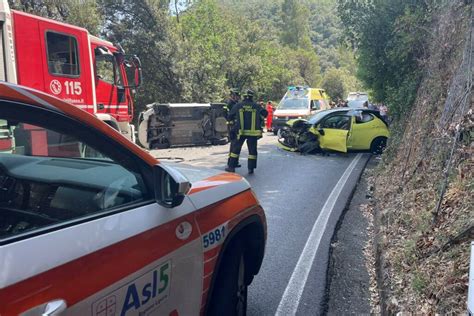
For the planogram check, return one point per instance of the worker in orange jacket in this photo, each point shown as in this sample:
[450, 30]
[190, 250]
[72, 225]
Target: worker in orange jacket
[270, 116]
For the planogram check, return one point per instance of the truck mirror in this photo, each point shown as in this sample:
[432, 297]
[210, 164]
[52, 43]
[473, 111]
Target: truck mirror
[138, 70]
[133, 67]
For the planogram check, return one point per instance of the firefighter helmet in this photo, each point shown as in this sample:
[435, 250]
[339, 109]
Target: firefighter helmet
[249, 94]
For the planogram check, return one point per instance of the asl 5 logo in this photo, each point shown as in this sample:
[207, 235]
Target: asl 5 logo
[142, 296]
[134, 299]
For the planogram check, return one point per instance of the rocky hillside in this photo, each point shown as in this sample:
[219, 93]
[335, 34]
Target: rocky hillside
[424, 199]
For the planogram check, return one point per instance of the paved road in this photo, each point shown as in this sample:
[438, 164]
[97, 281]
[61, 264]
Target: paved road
[294, 192]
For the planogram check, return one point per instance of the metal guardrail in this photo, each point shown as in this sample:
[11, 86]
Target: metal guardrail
[470, 295]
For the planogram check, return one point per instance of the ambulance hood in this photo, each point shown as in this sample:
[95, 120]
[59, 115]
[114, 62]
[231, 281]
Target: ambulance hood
[291, 112]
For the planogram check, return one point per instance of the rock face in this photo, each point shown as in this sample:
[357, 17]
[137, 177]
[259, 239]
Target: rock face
[424, 190]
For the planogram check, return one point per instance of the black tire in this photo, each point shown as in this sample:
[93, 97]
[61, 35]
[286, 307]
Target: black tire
[218, 142]
[378, 145]
[230, 290]
[162, 144]
[275, 131]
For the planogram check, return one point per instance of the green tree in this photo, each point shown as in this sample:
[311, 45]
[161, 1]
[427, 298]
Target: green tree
[142, 27]
[82, 13]
[390, 43]
[333, 83]
[295, 24]
[208, 42]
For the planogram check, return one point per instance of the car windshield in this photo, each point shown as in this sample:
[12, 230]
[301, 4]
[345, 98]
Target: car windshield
[297, 103]
[357, 97]
[356, 104]
[317, 117]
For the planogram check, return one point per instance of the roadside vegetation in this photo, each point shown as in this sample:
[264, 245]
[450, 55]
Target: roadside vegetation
[417, 57]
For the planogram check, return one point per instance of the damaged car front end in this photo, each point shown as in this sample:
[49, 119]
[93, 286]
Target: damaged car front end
[339, 130]
[298, 135]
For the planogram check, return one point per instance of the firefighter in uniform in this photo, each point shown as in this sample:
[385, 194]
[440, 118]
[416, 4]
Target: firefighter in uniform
[249, 118]
[233, 101]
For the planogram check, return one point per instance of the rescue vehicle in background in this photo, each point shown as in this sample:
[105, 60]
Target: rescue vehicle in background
[90, 224]
[69, 63]
[299, 102]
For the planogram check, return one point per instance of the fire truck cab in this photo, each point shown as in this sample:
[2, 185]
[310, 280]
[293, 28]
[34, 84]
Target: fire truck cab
[68, 62]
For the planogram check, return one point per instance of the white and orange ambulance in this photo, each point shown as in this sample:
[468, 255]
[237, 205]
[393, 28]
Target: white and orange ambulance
[90, 224]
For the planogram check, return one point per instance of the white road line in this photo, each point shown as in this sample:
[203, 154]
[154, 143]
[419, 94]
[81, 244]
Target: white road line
[291, 297]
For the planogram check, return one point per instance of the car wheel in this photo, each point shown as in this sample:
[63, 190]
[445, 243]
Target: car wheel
[275, 131]
[230, 289]
[378, 145]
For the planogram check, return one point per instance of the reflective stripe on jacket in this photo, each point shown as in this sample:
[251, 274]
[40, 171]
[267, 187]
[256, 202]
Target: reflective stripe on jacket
[249, 118]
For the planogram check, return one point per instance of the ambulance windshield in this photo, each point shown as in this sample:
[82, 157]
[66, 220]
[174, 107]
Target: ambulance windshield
[294, 103]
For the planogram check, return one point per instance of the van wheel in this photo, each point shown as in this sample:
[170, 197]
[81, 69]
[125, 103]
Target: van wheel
[378, 145]
[160, 144]
[230, 290]
[217, 142]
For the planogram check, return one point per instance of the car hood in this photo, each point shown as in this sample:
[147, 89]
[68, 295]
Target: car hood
[292, 112]
[293, 121]
[210, 185]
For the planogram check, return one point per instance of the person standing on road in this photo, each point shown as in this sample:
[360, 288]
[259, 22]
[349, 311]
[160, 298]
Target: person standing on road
[248, 117]
[383, 112]
[230, 104]
[269, 116]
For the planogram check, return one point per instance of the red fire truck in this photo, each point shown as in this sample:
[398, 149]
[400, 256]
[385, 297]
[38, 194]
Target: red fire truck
[68, 62]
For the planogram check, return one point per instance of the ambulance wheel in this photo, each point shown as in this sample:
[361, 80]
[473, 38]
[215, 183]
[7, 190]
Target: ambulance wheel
[378, 145]
[230, 289]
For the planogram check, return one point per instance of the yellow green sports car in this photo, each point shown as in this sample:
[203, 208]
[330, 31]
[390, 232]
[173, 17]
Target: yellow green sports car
[341, 129]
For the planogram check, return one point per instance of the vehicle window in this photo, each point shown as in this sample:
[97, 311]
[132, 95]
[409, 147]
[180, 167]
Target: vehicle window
[337, 122]
[316, 118]
[358, 97]
[315, 105]
[107, 69]
[63, 57]
[363, 118]
[49, 177]
[5, 139]
[290, 103]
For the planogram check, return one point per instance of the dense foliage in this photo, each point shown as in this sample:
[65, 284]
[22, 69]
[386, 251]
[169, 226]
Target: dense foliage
[194, 51]
[391, 39]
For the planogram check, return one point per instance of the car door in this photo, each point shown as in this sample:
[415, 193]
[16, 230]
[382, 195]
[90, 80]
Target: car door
[67, 73]
[362, 131]
[109, 82]
[333, 132]
[80, 231]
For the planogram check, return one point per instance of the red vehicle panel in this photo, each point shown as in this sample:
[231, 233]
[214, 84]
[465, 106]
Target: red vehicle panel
[67, 62]
[110, 80]
[55, 58]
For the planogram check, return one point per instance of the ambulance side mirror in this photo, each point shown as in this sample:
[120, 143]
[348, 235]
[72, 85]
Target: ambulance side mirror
[170, 187]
